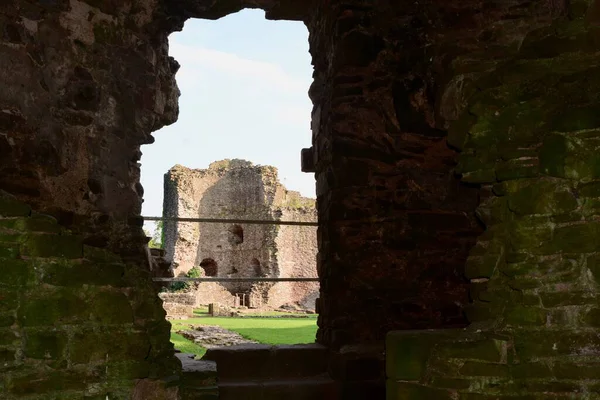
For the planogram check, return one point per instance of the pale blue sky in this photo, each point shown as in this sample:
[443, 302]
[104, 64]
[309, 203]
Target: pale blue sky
[244, 83]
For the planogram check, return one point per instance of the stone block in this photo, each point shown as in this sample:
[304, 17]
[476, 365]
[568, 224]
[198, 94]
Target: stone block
[45, 344]
[298, 361]
[580, 238]
[531, 370]
[241, 362]
[111, 308]
[473, 368]
[15, 272]
[49, 245]
[241, 390]
[300, 389]
[10, 207]
[526, 316]
[118, 345]
[77, 273]
[491, 350]
[7, 251]
[482, 267]
[411, 391]
[407, 352]
[51, 308]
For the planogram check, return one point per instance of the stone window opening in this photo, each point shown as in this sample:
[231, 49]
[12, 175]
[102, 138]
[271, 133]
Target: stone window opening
[257, 267]
[209, 266]
[236, 235]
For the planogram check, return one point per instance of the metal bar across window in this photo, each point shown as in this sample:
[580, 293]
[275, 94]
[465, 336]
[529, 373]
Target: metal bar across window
[236, 279]
[232, 221]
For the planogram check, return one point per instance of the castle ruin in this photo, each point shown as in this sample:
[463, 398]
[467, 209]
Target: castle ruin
[237, 189]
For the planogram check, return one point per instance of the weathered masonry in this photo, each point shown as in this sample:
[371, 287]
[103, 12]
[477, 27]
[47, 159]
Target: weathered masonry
[238, 189]
[455, 149]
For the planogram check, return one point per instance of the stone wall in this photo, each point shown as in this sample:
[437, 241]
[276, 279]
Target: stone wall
[75, 321]
[237, 189]
[406, 95]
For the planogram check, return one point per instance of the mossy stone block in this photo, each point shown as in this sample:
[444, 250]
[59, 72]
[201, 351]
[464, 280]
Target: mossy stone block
[473, 368]
[112, 308]
[6, 320]
[6, 356]
[552, 155]
[9, 251]
[116, 344]
[482, 267]
[451, 383]
[78, 273]
[482, 350]
[481, 176]
[542, 197]
[49, 245]
[593, 264]
[49, 381]
[561, 299]
[577, 370]
[580, 238]
[127, 370]
[51, 308]
[410, 391]
[101, 255]
[9, 207]
[15, 272]
[7, 337]
[591, 189]
[531, 370]
[592, 318]
[9, 299]
[45, 344]
[526, 316]
[407, 352]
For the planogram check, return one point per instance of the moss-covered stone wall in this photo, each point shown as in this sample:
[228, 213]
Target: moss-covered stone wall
[76, 322]
[530, 137]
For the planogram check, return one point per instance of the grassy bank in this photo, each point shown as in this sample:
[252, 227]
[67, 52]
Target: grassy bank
[263, 330]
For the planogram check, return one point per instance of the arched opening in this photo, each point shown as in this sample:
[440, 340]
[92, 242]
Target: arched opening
[257, 268]
[236, 235]
[248, 97]
[210, 267]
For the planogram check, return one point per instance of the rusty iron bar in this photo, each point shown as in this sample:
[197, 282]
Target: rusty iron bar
[232, 221]
[235, 279]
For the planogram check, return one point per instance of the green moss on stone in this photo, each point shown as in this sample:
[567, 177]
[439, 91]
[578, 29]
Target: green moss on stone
[51, 308]
[542, 197]
[112, 308]
[15, 272]
[53, 246]
[526, 316]
[407, 352]
[9, 207]
[482, 267]
[580, 238]
[481, 350]
[472, 368]
[411, 391]
[45, 344]
[531, 370]
[552, 155]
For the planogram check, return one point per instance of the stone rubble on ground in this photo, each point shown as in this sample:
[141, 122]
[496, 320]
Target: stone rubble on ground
[209, 336]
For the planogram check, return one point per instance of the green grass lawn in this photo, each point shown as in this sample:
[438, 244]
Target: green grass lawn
[262, 330]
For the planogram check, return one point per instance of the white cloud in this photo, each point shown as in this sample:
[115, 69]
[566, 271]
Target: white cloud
[198, 58]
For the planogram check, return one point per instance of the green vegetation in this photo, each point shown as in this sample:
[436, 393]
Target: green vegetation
[181, 286]
[186, 346]
[262, 330]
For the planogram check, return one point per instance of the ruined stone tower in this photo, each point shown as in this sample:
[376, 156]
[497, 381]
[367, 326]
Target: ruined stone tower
[237, 189]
